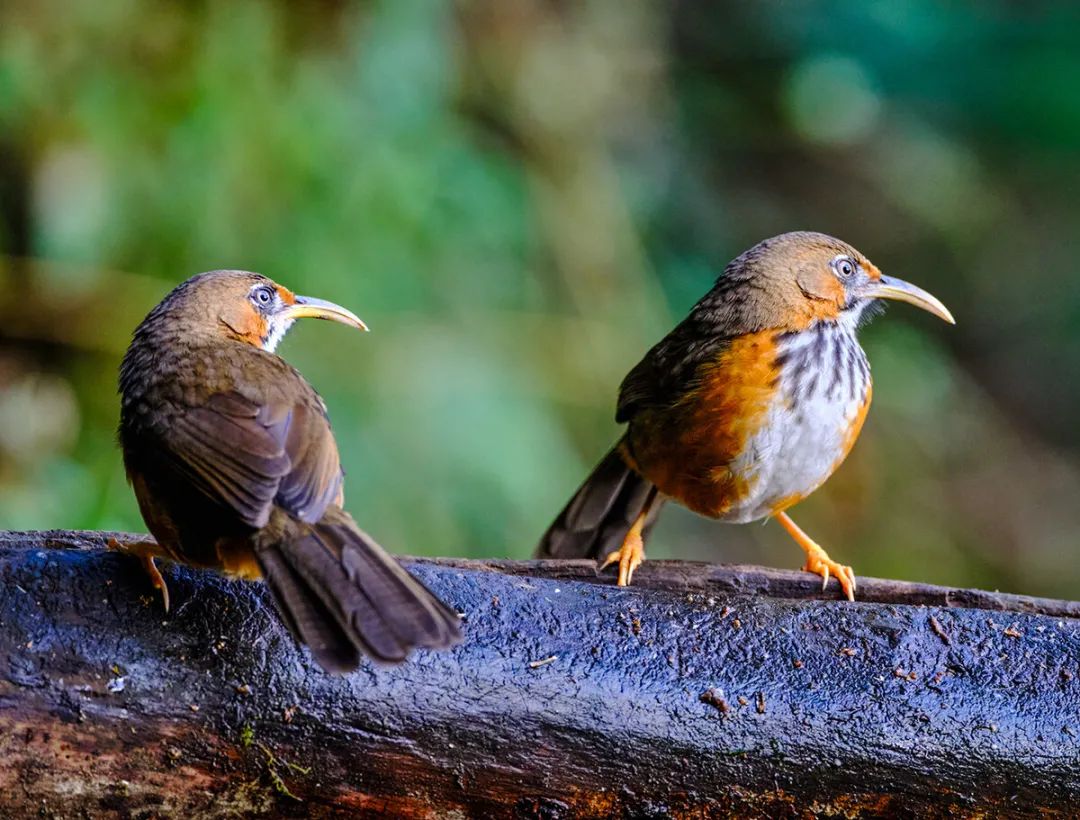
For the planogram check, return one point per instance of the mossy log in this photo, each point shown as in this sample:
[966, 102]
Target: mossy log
[703, 691]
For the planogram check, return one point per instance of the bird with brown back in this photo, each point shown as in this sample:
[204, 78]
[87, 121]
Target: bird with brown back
[745, 408]
[231, 456]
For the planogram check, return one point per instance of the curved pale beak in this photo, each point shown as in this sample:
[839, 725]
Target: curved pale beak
[308, 307]
[889, 287]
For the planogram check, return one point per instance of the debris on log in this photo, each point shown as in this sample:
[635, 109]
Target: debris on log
[702, 690]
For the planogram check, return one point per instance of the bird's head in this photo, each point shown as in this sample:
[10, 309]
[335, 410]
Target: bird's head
[243, 306]
[796, 279]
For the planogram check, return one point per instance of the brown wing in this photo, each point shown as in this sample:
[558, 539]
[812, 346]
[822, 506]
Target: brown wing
[669, 369]
[250, 456]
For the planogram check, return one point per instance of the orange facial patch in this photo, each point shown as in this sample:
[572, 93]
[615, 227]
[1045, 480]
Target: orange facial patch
[287, 296]
[244, 322]
[821, 297]
[687, 448]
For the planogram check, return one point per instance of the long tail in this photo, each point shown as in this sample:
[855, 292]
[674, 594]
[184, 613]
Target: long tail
[343, 595]
[595, 521]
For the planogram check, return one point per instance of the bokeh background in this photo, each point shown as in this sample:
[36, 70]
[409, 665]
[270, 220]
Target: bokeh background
[520, 198]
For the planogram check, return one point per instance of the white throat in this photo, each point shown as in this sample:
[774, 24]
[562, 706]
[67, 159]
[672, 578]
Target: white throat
[278, 330]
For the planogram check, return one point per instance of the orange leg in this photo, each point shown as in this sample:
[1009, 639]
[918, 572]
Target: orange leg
[632, 552]
[146, 552]
[817, 560]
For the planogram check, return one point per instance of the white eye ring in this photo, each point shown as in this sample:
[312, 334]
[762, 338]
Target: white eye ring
[845, 266]
[263, 295]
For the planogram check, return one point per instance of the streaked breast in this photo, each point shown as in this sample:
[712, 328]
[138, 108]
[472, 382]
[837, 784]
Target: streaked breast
[815, 418]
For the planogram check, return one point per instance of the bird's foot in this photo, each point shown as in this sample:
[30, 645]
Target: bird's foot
[629, 557]
[146, 552]
[819, 562]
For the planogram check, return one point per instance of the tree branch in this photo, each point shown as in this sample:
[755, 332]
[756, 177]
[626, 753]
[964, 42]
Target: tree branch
[704, 690]
[674, 576]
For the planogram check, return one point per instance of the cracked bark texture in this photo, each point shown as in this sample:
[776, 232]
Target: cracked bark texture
[704, 691]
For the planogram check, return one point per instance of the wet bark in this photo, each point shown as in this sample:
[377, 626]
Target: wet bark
[701, 691]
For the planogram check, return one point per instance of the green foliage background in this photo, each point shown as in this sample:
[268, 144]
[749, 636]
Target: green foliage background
[521, 198]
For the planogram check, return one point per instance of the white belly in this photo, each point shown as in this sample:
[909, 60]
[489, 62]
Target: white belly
[806, 434]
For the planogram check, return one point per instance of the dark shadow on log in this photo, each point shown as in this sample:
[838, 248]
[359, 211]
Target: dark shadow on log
[683, 695]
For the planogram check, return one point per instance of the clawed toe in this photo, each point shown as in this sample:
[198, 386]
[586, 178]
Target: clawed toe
[825, 567]
[146, 552]
[629, 557]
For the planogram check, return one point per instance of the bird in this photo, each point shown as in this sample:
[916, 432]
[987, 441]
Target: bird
[235, 468]
[745, 408]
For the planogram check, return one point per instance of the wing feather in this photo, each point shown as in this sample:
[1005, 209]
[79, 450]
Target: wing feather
[251, 456]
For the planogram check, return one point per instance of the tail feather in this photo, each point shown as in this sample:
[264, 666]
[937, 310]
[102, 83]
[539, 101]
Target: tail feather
[307, 617]
[342, 594]
[420, 619]
[596, 520]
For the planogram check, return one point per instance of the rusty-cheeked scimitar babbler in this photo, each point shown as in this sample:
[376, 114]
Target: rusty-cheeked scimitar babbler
[745, 408]
[230, 454]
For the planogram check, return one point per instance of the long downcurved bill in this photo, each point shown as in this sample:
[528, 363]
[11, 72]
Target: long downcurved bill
[889, 287]
[308, 307]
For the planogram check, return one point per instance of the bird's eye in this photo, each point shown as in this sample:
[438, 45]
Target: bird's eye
[845, 267]
[263, 295]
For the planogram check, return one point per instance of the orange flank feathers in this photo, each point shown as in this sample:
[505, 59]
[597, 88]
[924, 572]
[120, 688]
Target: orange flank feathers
[237, 559]
[709, 427]
[787, 501]
[856, 427]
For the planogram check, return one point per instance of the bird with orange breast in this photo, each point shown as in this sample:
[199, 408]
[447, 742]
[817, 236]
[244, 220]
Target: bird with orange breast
[235, 468]
[745, 408]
